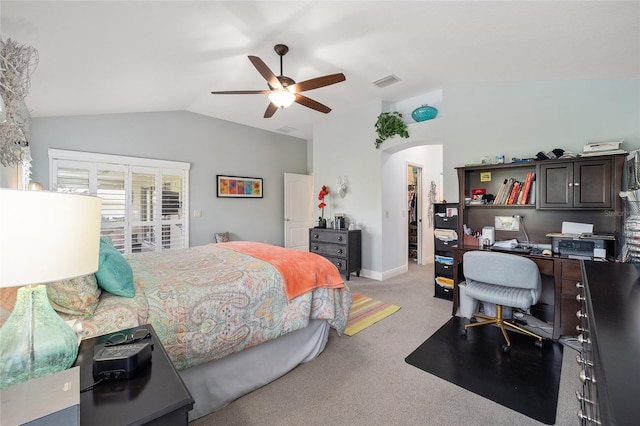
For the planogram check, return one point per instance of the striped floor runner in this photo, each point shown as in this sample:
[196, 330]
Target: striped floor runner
[366, 312]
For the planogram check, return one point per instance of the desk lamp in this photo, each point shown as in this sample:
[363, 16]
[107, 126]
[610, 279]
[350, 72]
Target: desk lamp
[44, 237]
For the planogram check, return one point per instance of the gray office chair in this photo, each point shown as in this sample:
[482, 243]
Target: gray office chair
[503, 279]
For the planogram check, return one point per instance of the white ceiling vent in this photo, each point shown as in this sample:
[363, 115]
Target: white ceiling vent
[285, 129]
[386, 81]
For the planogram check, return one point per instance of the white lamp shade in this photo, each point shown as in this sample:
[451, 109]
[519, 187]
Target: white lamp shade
[282, 98]
[47, 236]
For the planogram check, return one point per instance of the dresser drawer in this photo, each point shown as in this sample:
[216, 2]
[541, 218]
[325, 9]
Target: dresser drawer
[327, 236]
[326, 249]
[340, 263]
[341, 247]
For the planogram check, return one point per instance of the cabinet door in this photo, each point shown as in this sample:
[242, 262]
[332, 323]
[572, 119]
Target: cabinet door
[556, 185]
[576, 184]
[592, 184]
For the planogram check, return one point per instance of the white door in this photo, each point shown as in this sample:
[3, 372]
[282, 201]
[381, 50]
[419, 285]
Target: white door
[298, 210]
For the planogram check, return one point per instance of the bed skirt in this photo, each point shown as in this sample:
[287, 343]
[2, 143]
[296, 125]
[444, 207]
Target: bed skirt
[218, 383]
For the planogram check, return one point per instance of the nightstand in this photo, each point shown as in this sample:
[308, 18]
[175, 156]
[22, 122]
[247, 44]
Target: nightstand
[156, 396]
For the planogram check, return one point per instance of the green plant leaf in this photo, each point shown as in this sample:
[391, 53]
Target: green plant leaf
[388, 125]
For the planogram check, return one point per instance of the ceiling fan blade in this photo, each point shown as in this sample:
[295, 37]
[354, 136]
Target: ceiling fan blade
[271, 109]
[310, 103]
[264, 70]
[314, 83]
[243, 92]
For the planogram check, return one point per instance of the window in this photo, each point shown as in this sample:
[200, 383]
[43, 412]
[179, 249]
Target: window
[144, 202]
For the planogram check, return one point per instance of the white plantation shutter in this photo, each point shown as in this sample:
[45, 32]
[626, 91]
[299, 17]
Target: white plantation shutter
[111, 187]
[144, 202]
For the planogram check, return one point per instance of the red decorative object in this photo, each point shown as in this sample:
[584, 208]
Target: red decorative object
[323, 192]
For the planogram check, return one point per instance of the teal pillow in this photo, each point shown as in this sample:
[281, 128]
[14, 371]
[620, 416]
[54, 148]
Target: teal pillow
[114, 273]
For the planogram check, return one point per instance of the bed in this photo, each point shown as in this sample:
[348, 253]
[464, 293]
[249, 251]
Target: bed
[232, 316]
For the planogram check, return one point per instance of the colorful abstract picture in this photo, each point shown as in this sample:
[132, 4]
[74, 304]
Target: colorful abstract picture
[239, 187]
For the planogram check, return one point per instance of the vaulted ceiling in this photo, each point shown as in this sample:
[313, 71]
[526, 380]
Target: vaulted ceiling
[100, 57]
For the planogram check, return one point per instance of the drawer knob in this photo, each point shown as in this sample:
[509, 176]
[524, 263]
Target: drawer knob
[580, 329]
[315, 247]
[586, 418]
[339, 237]
[582, 361]
[580, 298]
[338, 263]
[580, 315]
[584, 378]
[583, 339]
[316, 235]
[579, 285]
[583, 399]
[339, 251]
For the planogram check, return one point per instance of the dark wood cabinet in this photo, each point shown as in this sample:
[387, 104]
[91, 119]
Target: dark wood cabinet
[573, 190]
[568, 278]
[342, 247]
[576, 184]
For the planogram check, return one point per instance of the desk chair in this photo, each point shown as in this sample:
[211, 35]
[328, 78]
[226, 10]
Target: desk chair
[503, 279]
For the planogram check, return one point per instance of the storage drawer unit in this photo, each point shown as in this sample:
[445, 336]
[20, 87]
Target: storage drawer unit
[342, 247]
[444, 220]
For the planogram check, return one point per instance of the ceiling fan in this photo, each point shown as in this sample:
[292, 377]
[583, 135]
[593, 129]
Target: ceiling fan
[283, 90]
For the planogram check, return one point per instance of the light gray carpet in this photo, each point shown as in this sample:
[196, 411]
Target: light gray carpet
[363, 380]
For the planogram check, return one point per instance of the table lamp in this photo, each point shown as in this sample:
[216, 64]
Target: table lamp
[44, 237]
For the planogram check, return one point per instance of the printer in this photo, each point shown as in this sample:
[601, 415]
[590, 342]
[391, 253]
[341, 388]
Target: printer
[582, 245]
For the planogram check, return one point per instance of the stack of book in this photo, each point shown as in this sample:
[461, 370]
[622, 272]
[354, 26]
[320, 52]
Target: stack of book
[602, 148]
[515, 192]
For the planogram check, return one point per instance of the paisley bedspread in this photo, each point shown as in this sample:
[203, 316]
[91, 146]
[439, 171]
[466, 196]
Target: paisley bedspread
[207, 302]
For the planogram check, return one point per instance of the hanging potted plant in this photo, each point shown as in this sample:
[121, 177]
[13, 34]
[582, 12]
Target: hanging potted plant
[390, 124]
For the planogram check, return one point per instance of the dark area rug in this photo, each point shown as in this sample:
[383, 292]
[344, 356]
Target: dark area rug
[526, 379]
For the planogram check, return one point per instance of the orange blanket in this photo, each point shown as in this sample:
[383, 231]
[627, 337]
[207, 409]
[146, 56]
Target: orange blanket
[301, 271]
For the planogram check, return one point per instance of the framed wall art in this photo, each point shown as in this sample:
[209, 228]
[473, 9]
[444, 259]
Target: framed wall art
[238, 187]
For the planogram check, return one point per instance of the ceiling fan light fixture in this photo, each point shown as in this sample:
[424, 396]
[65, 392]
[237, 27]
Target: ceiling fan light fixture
[282, 98]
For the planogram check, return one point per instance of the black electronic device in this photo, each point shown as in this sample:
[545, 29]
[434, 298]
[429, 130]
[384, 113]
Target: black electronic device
[581, 246]
[121, 361]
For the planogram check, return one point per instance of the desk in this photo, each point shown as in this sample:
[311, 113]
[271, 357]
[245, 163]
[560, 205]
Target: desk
[557, 305]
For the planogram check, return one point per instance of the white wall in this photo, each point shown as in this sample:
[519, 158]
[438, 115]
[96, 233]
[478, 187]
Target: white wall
[344, 145]
[519, 119]
[394, 189]
[516, 119]
[212, 147]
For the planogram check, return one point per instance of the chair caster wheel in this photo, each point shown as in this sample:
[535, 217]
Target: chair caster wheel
[463, 332]
[539, 344]
[506, 348]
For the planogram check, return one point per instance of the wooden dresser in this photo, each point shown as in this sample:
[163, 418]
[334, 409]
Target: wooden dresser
[342, 247]
[610, 336]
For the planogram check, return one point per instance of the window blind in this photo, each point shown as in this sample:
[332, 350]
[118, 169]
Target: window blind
[144, 201]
